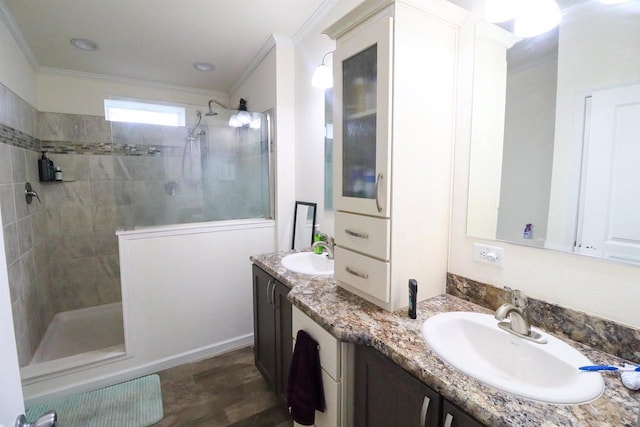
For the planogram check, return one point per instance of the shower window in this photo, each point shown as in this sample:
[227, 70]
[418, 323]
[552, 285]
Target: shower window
[116, 110]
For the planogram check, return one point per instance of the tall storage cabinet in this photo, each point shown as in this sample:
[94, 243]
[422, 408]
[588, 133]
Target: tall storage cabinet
[394, 98]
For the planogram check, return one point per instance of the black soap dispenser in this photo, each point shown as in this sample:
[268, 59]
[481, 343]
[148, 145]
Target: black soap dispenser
[45, 168]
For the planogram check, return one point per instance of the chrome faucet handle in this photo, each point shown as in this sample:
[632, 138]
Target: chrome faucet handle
[29, 194]
[330, 241]
[518, 298]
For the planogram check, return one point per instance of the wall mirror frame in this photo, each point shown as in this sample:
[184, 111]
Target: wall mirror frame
[304, 221]
[540, 153]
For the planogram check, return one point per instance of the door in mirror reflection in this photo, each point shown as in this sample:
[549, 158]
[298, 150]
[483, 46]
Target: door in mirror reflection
[608, 223]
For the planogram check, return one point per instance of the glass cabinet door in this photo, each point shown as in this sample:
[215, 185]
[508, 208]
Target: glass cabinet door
[361, 137]
[359, 128]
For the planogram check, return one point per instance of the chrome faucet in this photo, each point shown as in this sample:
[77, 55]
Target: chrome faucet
[327, 245]
[517, 312]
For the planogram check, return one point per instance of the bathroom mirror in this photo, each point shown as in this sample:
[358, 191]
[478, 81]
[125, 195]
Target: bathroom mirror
[304, 220]
[560, 150]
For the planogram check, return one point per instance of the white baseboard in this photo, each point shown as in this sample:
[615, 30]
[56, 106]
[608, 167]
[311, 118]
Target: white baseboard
[32, 398]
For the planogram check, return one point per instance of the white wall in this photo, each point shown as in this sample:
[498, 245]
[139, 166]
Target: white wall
[15, 71]
[598, 287]
[528, 152]
[78, 94]
[187, 295]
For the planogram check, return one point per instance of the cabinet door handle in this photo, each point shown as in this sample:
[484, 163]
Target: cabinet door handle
[273, 294]
[378, 179]
[356, 234]
[269, 283]
[356, 273]
[423, 411]
[448, 420]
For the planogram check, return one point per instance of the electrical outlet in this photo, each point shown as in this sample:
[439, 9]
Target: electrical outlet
[488, 254]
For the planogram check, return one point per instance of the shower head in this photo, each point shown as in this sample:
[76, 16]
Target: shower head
[213, 113]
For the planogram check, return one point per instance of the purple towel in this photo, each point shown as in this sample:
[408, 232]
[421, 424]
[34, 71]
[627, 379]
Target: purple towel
[305, 394]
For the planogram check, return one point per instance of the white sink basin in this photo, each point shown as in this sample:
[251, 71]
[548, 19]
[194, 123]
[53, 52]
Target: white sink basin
[308, 263]
[473, 343]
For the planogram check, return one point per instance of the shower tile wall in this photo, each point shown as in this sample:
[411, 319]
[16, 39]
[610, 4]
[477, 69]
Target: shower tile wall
[24, 226]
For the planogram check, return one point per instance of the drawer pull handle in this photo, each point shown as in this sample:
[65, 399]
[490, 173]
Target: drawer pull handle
[448, 420]
[423, 411]
[356, 234]
[378, 179]
[356, 273]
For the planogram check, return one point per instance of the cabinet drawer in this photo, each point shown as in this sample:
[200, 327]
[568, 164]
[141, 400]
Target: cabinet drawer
[363, 234]
[329, 346]
[364, 273]
[331, 415]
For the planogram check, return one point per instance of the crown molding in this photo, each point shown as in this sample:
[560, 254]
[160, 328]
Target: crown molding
[254, 64]
[131, 81]
[18, 35]
[314, 20]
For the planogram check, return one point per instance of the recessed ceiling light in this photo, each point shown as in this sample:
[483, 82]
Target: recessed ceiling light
[203, 66]
[85, 44]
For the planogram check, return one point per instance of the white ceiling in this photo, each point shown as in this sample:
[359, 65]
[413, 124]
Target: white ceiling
[156, 40]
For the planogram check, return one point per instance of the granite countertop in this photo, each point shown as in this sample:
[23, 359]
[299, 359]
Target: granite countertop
[351, 319]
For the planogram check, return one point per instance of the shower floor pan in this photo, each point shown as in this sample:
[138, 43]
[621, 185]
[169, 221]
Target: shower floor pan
[77, 339]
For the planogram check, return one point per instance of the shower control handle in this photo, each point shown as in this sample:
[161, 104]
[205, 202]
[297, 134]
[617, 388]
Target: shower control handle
[29, 194]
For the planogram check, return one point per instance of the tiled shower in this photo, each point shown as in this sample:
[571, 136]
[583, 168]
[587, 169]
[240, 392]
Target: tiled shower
[62, 254]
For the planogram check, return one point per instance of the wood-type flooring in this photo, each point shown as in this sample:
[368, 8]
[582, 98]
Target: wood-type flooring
[225, 390]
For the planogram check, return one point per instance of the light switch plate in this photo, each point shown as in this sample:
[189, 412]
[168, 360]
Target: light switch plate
[486, 254]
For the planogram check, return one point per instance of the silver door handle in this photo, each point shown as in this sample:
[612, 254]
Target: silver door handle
[356, 273]
[448, 420]
[48, 419]
[423, 411]
[378, 179]
[356, 234]
[273, 293]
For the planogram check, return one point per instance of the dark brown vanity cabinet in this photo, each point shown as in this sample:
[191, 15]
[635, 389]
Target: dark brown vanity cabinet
[387, 395]
[273, 343]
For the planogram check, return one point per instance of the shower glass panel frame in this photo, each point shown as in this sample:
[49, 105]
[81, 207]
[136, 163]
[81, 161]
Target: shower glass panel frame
[208, 172]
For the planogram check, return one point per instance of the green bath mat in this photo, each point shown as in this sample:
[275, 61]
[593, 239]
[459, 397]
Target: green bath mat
[136, 403]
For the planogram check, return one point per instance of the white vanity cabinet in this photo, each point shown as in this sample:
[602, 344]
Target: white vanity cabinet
[334, 360]
[394, 88]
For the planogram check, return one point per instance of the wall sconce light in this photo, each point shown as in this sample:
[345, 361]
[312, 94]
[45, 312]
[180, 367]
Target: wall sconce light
[532, 17]
[322, 76]
[242, 117]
